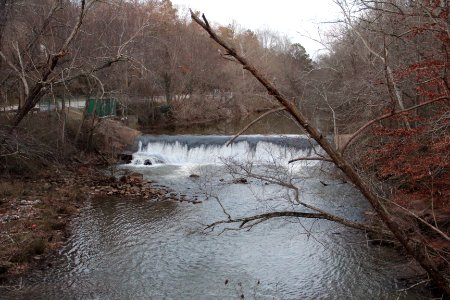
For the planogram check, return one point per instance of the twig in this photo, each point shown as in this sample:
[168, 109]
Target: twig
[440, 232]
[309, 158]
[223, 208]
[414, 285]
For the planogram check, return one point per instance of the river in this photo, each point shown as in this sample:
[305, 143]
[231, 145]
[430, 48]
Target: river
[136, 249]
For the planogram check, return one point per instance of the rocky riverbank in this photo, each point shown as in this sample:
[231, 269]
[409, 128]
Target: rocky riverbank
[35, 211]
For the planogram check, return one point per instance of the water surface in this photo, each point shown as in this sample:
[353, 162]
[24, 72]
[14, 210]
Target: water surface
[136, 249]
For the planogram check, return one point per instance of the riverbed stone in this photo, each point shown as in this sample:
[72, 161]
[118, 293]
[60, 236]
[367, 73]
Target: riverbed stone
[241, 180]
[135, 177]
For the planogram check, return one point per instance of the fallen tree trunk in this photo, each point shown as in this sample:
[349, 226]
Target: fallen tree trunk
[414, 247]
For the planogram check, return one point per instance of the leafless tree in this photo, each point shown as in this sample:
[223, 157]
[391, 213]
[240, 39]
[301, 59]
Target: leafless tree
[413, 246]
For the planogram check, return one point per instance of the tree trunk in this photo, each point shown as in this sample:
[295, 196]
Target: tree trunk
[415, 248]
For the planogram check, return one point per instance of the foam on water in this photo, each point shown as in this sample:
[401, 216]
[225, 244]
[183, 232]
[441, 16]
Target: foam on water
[191, 149]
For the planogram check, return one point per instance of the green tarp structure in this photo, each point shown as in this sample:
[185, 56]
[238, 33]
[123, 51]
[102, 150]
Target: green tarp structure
[104, 107]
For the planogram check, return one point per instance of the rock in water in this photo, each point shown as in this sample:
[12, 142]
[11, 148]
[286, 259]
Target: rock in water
[241, 180]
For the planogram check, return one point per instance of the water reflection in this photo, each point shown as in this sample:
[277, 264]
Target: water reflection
[277, 123]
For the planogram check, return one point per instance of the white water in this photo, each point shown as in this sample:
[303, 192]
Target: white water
[197, 150]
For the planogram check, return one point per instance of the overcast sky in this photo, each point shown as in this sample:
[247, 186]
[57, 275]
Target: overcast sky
[291, 17]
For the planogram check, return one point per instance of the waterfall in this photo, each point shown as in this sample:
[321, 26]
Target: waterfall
[212, 149]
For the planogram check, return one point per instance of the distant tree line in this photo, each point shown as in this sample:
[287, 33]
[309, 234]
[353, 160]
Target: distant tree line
[136, 51]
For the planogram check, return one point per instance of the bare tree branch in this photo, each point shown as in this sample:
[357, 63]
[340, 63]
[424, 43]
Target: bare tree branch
[95, 69]
[246, 221]
[310, 158]
[434, 228]
[38, 89]
[413, 247]
[20, 74]
[253, 122]
[388, 115]
[56, 5]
